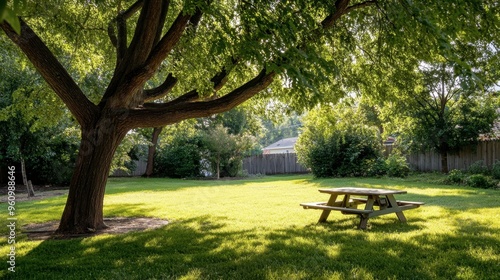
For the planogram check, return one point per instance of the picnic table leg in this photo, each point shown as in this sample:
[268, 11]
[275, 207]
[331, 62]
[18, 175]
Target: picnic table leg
[394, 204]
[326, 213]
[363, 221]
[364, 217]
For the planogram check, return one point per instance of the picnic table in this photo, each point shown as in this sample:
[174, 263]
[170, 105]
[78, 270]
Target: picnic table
[376, 202]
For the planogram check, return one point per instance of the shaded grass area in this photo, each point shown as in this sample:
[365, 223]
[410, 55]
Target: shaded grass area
[255, 229]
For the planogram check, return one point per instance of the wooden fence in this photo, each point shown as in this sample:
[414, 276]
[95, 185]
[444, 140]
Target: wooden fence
[487, 151]
[138, 171]
[273, 164]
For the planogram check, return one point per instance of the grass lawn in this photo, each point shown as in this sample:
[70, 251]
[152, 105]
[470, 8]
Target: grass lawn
[255, 229]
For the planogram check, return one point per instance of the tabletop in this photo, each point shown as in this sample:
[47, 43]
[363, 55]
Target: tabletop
[361, 191]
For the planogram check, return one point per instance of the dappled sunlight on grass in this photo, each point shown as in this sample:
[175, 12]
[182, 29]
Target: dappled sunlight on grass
[255, 229]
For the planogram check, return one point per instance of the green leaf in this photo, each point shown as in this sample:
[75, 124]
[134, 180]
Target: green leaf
[11, 17]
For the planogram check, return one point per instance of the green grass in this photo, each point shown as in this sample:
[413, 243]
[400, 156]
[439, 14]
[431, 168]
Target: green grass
[255, 229]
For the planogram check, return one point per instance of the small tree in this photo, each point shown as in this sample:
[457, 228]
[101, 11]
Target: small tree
[225, 151]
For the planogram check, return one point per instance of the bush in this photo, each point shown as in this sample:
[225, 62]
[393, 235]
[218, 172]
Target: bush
[495, 170]
[480, 181]
[455, 177]
[373, 168]
[397, 166]
[478, 167]
[179, 159]
[341, 154]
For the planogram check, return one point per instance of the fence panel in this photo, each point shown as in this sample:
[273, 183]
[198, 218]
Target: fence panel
[273, 164]
[138, 171]
[487, 151]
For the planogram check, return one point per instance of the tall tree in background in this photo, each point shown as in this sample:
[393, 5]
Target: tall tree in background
[165, 72]
[447, 111]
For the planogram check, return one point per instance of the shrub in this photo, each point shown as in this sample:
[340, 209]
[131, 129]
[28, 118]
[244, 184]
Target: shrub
[478, 167]
[480, 181]
[373, 168]
[495, 170]
[397, 166]
[179, 159]
[455, 177]
[342, 154]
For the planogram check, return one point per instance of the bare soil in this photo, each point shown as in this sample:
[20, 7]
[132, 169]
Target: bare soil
[117, 225]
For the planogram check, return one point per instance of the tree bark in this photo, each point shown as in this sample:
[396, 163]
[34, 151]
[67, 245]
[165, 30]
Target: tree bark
[84, 206]
[152, 151]
[444, 162]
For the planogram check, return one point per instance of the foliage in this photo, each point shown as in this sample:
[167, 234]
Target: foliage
[480, 181]
[397, 166]
[478, 167]
[129, 150]
[335, 142]
[9, 13]
[446, 111]
[375, 167]
[495, 170]
[225, 151]
[180, 157]
[456, 176]
[280, 127]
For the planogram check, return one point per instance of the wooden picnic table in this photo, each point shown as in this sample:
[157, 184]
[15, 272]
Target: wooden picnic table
[376, 201]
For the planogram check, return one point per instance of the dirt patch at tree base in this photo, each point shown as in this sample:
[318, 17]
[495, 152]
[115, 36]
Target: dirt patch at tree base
[115, 226]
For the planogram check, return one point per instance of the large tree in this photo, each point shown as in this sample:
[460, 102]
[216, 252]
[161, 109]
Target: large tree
[214, 55]
[446, 112]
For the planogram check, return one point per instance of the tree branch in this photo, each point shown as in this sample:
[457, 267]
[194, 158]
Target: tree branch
[120, 42]
[163, 16]
[219, 80]
[124, 85]
[53, 72]
[169, 40]
[342, 7]
[144, 35]
[164, 114]
[361, 5]
[160, 91]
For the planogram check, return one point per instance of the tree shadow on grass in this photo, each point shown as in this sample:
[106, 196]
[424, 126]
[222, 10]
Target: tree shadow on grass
[204, 248]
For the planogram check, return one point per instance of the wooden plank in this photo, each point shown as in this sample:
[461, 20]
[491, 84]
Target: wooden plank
[342, 209]
[326, 212]
[403, 202]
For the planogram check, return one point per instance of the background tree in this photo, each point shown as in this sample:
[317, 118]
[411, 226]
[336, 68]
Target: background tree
[224, 150]
[182, 52]
[446, 112]
[280, 127]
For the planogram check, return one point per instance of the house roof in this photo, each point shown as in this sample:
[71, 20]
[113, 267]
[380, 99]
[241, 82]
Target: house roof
[287, 143]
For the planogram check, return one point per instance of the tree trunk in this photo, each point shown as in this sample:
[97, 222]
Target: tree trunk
[152, 151]
[29, 186]
[444, 162]
[218, 167]
[84, 207]
[23, 173]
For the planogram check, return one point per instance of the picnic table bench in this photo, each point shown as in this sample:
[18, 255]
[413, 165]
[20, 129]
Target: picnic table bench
[377, 202]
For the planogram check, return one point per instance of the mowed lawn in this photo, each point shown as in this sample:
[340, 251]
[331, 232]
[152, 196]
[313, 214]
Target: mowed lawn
[255, 229]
